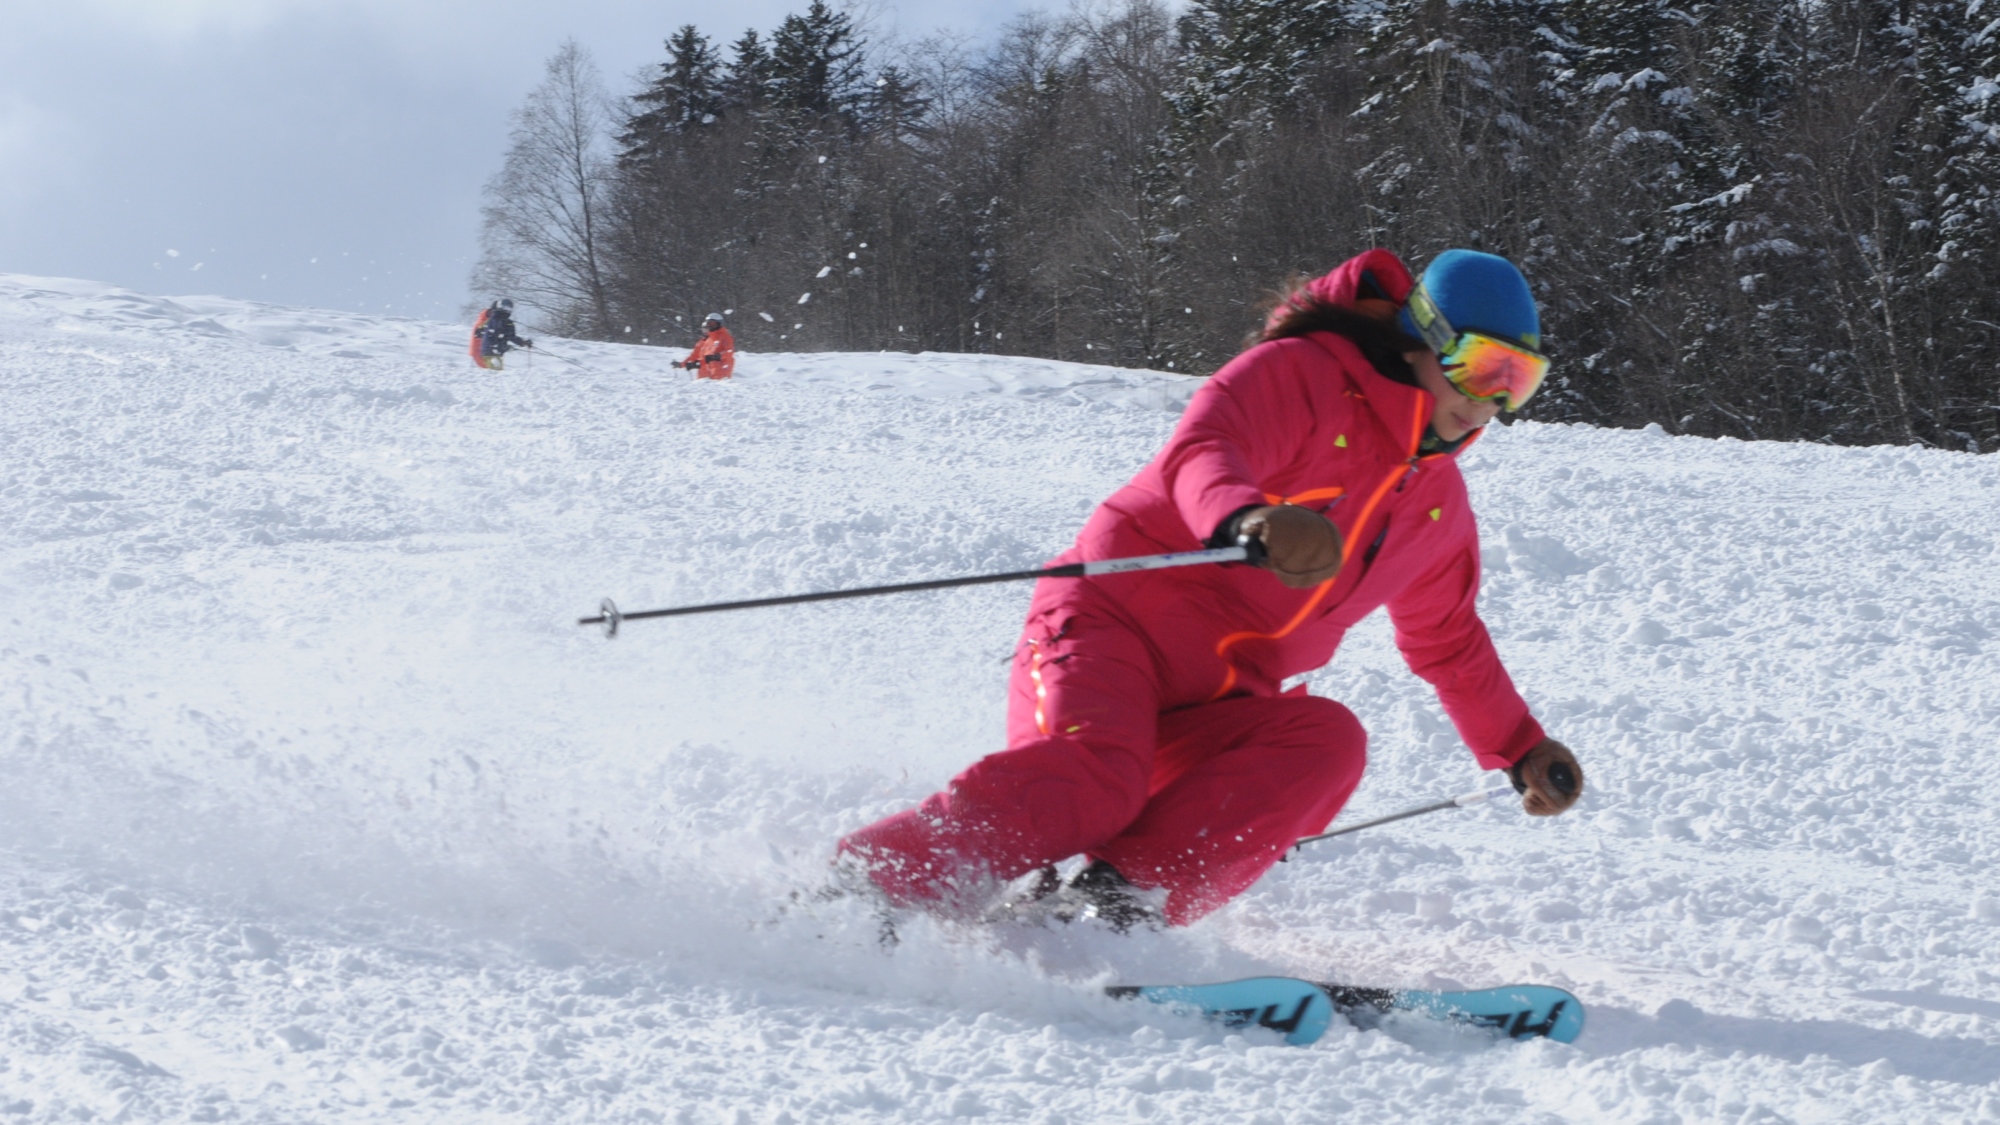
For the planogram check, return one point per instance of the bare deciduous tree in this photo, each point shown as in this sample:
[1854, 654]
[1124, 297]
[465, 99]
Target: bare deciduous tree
[545, 212]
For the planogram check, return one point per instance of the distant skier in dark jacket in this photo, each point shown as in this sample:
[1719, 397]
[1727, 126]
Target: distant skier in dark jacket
[493, 334]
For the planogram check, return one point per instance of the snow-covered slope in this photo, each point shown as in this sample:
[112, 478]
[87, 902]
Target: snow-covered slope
[315, 804]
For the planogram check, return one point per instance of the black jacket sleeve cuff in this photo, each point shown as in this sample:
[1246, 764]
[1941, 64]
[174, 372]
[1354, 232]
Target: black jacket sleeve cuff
[1231, 527]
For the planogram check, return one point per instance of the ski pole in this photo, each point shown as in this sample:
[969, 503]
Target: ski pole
[1460, 802]
[558, 358]
[1560, 776]
[1248, 550]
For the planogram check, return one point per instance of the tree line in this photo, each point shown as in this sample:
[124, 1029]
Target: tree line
[1772, 219]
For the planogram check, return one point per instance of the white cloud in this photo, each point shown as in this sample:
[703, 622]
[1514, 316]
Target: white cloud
[426, 29]
[181, 17]
[35, 155]
[190, 16]
[436, 22]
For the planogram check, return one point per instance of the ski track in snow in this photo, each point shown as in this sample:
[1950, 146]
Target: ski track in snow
[315, 804]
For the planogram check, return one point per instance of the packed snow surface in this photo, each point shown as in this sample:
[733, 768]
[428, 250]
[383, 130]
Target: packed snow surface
[317, 805]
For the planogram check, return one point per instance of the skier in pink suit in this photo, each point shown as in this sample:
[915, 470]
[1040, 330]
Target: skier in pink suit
[1148, 727]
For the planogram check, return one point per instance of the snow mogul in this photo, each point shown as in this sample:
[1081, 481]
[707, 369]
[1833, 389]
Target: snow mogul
[493, 334]
[715, 356]
[1148, 729]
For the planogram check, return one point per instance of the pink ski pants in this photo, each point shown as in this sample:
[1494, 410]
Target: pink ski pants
[1200, 800]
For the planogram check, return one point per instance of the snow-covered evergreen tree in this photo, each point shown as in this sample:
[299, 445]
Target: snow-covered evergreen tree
[893, 107]
[686, 95]
[1241, 59]
[746, 79]
[816, 65]
[1924, 272]
[1954, 49]
[1621, 37]
[1458, 116]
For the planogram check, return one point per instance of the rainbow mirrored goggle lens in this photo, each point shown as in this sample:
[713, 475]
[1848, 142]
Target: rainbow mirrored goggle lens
[1487, 369]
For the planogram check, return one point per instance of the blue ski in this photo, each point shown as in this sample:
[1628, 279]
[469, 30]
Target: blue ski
[1301, 1010]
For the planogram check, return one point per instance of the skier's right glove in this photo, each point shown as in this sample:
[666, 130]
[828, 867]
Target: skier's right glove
[1548, 778]
[1301, 546]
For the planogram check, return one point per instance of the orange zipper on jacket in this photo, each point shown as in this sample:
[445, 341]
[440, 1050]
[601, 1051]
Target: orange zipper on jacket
[1320, 592]
[1306, 497]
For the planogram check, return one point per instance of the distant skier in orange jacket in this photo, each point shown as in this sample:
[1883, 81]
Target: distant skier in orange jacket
[715, 356]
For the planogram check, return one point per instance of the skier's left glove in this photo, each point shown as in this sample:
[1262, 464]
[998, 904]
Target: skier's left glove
[527, 343]
[1548, 778]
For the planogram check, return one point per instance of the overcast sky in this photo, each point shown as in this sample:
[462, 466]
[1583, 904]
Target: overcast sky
[312, 152]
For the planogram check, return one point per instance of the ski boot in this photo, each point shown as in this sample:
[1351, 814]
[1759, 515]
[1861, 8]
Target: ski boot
[1099, 891]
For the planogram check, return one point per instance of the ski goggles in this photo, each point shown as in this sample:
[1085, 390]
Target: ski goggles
[1482, 367]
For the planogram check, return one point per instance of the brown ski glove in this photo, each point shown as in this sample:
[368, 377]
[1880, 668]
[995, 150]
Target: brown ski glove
[1301, 546]
[1548, 778]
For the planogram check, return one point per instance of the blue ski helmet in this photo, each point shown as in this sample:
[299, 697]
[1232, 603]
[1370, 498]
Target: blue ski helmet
[1480, 292]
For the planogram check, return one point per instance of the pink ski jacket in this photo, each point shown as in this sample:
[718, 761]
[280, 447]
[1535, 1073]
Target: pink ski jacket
[1308, 421]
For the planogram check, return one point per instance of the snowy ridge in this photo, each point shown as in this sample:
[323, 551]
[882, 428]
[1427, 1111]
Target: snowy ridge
[315, 805]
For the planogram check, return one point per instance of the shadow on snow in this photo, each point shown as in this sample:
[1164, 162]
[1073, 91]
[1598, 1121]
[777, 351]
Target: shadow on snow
[1681, 1024]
